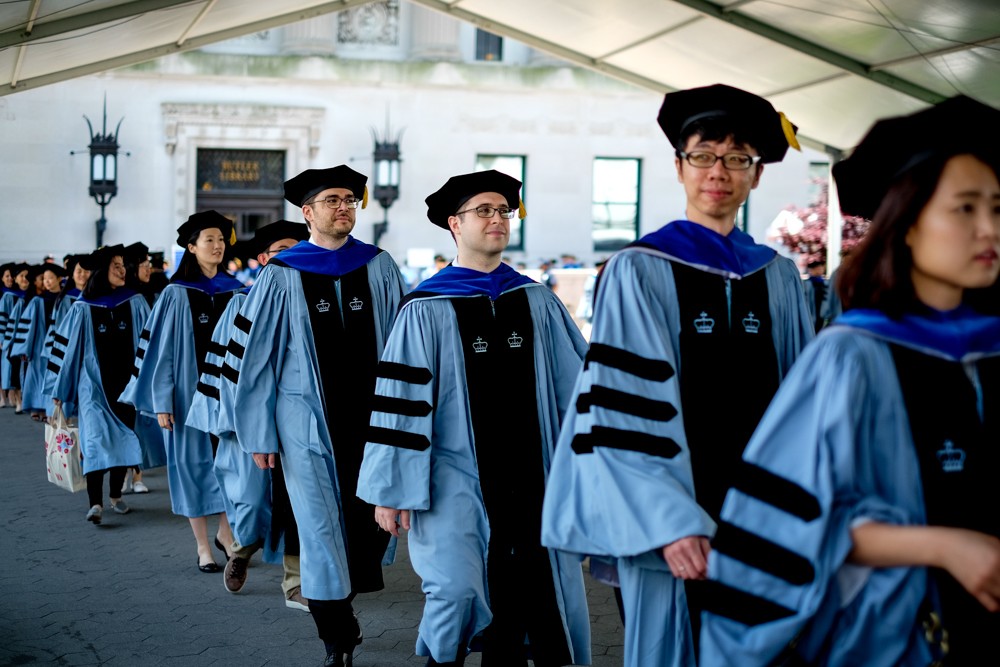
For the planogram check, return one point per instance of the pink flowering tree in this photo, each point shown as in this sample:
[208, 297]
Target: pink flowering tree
[803, 230]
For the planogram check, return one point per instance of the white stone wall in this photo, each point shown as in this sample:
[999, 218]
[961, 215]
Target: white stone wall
[320, 109]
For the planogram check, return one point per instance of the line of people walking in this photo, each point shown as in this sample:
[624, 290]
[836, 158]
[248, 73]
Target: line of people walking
[755, 496]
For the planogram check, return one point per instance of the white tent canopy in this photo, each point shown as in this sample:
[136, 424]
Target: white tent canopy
[833, 66]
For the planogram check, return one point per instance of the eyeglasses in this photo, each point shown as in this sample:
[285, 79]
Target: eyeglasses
[731, 161]
[334, 202]
[485, 211]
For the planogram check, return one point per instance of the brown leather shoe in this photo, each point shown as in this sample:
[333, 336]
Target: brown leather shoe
[235, 575]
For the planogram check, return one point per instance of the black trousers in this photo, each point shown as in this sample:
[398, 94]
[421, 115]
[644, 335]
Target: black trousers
[95, 480]
[523, 601]
[336, 624]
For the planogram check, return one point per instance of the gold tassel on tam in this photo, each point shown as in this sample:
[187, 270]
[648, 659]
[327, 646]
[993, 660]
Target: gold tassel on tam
[232, 236]
[789, 129]
[364, 198]
[521, 212]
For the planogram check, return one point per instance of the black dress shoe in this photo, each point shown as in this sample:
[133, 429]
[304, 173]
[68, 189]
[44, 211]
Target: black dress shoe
[209, 568]
[338, 659]
[222, 548]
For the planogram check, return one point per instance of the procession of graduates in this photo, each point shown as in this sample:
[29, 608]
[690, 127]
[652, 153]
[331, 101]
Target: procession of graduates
[757, 494]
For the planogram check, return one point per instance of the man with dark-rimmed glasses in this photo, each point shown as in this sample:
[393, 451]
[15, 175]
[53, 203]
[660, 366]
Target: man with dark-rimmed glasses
[694, 326]
[472, 388]
[302, 358]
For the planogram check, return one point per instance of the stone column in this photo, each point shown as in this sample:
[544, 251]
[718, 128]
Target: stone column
[434, 36]
[313, 37]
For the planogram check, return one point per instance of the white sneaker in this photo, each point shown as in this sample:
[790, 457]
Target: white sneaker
[94, 514]
[127, 485]
[139, 487]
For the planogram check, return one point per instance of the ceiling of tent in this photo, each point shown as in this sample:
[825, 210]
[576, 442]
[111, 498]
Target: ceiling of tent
[833, 66]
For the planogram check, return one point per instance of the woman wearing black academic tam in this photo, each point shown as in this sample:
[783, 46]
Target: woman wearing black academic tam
[138, 270]
[11, 304]
[21, 330]
[30, 338]
[168, 363]
[7, 298]
[91, 363]
[78, 274]
[869, 498]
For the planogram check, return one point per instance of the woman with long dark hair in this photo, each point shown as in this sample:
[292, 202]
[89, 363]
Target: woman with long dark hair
[79, 273]
[32, 333]
[865, 528]
[13, 374]
[8, 295]
[138, 269]
[92, 358]
[168, 363]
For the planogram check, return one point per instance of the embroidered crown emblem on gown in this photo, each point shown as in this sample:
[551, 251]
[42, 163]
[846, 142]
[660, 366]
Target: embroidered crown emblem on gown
[952, 459]
[704, 324]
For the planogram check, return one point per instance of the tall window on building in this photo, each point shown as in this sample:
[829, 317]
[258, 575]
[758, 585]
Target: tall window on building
[615, 203]
[489, 47]
[512, 165]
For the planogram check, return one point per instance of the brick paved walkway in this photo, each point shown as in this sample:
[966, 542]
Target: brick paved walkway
[127, 593]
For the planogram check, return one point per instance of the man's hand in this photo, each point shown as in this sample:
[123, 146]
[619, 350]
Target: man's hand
[386, 519]
[688, 557]
[166, 420]
[264, 461]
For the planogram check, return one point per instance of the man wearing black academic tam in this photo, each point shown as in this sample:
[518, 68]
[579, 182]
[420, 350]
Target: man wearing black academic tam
[304, 353]
[472, 388]
[694, 326]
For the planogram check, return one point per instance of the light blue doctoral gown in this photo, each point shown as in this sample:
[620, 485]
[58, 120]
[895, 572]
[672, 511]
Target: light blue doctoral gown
[834, 449]
[626, 504]
[30, 341]
[276, 408]
[246, 489]
[449, 529]
[15, 330]
[105, 441]
[59, 312]
[165, 380]
[8, 301]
